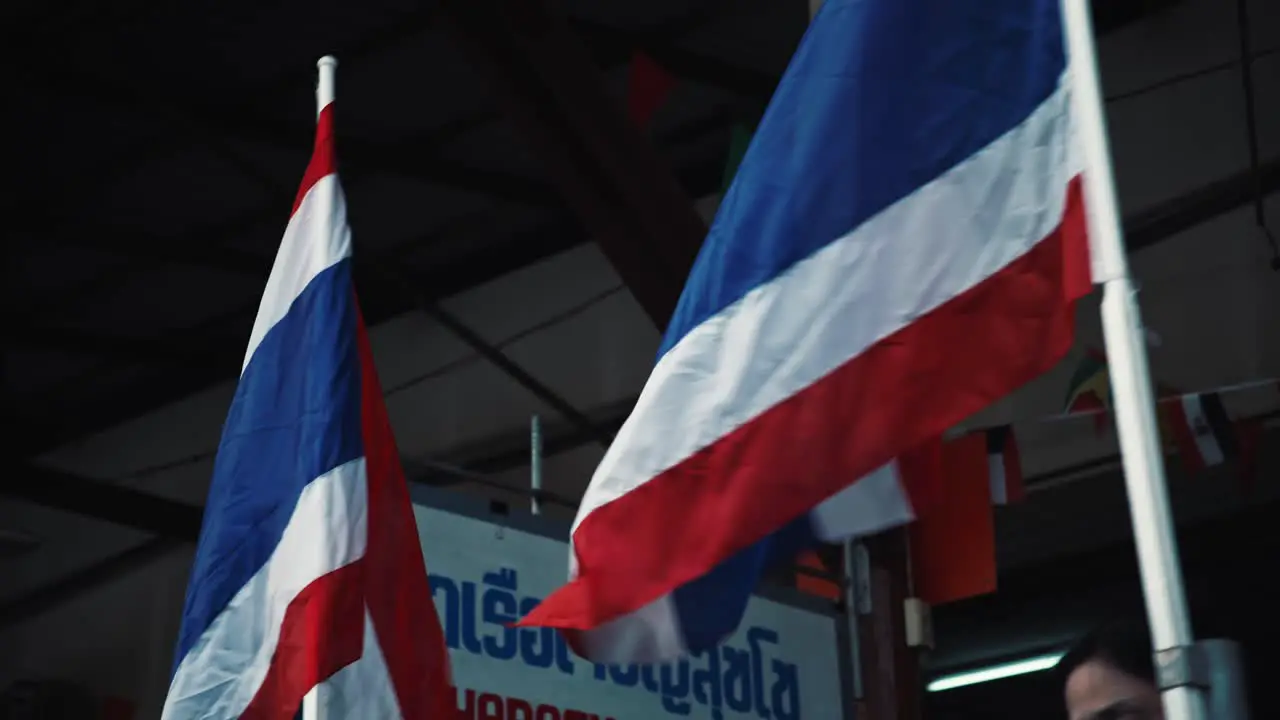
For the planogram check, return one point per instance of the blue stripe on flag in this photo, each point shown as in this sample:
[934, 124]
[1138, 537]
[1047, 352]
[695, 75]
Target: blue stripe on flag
[880, 99]
[711, 606]
[295, 416]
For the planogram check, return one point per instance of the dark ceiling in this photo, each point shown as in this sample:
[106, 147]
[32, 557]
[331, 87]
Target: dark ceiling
[160, 148]
[159, 144]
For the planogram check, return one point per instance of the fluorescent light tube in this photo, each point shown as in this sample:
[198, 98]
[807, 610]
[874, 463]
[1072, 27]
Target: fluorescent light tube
[995, 672]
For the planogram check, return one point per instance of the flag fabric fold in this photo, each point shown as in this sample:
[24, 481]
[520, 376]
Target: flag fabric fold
[902, 245]
[309, 573]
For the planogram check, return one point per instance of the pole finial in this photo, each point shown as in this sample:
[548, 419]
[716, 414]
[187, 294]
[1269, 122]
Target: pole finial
[327, 68]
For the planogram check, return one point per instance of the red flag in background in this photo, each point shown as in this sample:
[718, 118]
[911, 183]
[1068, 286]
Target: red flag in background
[648, 85]
[953, 542]
[821, 587]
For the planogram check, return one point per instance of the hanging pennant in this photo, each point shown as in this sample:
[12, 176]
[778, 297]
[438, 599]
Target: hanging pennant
[953, 542]
[648, 86]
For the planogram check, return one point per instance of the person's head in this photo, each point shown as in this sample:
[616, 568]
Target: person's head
[1110, 675]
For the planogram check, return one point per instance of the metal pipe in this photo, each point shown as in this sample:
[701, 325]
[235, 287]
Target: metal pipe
[1228, 696]
[1140, 449]
[850, 582]
[535, 465]
[1250, 109]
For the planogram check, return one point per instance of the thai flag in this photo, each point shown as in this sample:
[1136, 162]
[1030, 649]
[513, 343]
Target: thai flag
[309, 572]
[903, 244]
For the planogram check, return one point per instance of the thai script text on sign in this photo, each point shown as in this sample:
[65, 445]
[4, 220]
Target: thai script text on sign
[492, 706]
[743, 679]
[780, 664]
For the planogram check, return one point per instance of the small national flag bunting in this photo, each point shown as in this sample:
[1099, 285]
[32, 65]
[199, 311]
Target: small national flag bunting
[648, 86]
[953, 545]
[812, 585]
[1203, 433]
[1005, 467]
[1090, 389]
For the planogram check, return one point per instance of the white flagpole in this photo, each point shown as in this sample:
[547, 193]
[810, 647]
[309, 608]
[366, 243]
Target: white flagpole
[327, 67]
[1130, 377]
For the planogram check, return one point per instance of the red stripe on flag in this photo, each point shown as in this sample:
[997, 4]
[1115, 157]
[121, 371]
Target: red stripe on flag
[322, 632]
[323, 162]
[920, 470]
[397, 589]
[911, 386]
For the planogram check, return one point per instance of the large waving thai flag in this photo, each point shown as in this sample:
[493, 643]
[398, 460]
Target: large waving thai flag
[902, 245]
[309, 573]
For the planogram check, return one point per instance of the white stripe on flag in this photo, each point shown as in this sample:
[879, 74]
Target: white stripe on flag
[316, 239]
[326, 531]
[874, 503]
[650, 633]
[362, 689]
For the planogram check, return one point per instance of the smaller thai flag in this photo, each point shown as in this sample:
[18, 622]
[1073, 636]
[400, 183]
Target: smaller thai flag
[1005, 466]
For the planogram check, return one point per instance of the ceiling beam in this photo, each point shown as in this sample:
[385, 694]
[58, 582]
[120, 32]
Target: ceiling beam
[78, 407]
[65, 422]
[604, 166]
[1171, 217]
[47, 598]
[219, 127]
[123, 348]
[613, 45]
[1144, 229]
[103, 501]
[49, 57]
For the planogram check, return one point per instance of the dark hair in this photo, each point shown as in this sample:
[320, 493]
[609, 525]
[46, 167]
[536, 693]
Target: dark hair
[1125, 646]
